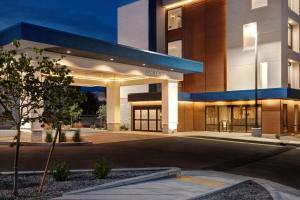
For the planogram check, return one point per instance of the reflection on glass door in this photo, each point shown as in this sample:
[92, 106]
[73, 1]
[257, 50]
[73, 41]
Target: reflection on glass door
[147, 118]
[239, 118]
[231, 118]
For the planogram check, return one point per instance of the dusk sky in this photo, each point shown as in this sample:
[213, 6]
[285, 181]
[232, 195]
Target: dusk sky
[94, 18]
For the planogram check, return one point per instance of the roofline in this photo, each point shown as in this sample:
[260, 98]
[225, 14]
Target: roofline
[40, 34]
[238, 95]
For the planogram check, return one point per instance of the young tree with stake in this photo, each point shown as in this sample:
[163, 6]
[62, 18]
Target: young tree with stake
[58, 99]
[22, 90]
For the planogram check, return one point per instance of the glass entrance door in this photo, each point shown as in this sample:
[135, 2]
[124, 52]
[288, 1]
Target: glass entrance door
[147, 118]
[231, 118]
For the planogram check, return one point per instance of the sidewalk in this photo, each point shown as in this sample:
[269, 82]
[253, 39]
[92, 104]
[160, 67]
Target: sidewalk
[269, 139]
[190, 185]
[245, 137]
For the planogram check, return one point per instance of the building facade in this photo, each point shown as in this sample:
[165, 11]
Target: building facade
[221, 34]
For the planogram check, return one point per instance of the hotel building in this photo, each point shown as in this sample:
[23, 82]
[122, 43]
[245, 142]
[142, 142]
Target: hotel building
[187, 65]
[222, 35]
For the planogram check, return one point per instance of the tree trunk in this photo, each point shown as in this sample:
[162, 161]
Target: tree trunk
[58, 130]
[16, 162]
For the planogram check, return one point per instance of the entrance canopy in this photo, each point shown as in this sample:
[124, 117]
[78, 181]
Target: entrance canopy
[59, 42]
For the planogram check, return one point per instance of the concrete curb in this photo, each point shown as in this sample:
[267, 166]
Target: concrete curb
[64, 144]
[169, 172]
[247, 141]
[275, 195]
[272, 187]
[215, 191]
[89, 170]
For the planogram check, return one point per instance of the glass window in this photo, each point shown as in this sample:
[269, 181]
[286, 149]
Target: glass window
[294, 5]
[137, 114]
[148, 119]
[152, 125]
[137, 125]
[259, 3]
[144, 125]
[285, 118]
[174, 18]
[290, 36]
[152, 114]
[249, 35]
[175, 48]
[251, 114]
[264, 74]
[144, 114]
[290, 72]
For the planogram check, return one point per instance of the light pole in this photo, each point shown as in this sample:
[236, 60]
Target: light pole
[256, 130]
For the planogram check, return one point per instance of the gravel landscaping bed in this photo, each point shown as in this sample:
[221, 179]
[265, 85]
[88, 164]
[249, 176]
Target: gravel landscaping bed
[248, 190]
[28, 184]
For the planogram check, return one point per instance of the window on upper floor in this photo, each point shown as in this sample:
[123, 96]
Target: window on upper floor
[249, 35]
[174, 18]
[175, 48]
[294, 5]
[259, 3]
[293, 74]
[264, 70]
[293, 35]
[290, 36]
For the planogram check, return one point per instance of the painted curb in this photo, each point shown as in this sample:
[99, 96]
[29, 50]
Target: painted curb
[169, 172]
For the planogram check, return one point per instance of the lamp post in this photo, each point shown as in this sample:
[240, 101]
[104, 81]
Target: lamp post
[256, 130]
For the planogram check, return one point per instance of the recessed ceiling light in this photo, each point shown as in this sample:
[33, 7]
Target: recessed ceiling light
[111, 59]
[69, 52]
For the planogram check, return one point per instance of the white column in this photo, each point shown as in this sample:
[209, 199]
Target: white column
[169, 106]
[113, 105]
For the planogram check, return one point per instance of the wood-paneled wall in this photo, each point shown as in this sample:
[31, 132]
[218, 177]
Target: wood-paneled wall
[271, 116]
[191, 116]
[204, 39]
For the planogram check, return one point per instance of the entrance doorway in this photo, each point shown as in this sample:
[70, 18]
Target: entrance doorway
[231, 118]
[147, 118]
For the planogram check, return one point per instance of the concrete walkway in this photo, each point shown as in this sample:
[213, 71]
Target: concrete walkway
[181, 188]
[190, 185]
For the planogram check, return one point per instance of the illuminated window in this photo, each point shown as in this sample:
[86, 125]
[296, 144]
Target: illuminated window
[293, 74]
[290, 74]
[174, 18]
[175, 48]
[294, 5]
[264, 74]
[259, 3]
[290, 36]
[293, 35]
[249, 35]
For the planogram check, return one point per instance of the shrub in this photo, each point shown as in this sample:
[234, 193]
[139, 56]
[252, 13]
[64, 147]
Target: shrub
[60, 171]
[76, 137]
[49, 137]
[102, 168]
[123, 127]
[93, 126]
[62, 137]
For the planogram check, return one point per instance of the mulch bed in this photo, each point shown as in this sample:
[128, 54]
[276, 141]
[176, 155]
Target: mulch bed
[28, 184]
[248, 190]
